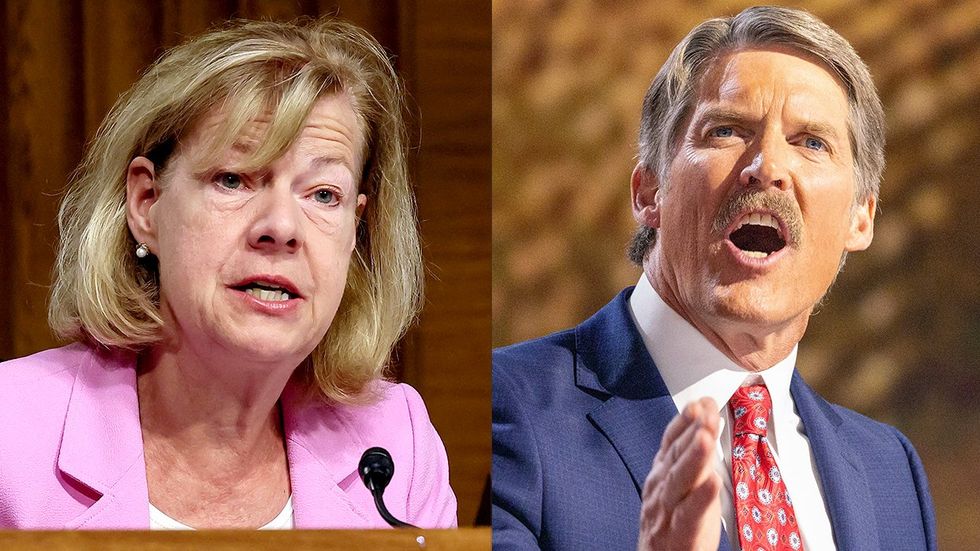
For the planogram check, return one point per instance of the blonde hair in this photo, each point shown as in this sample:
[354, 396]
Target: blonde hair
[671, 96]
[103, 295]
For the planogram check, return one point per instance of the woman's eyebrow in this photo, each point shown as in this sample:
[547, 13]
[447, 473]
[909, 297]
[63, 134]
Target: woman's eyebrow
[325, 161]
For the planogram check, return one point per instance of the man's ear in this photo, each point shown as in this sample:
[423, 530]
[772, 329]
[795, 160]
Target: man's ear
[142, 192]
[862, 228]
[645, 194]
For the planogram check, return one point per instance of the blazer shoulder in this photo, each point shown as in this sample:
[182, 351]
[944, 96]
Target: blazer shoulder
[866, 433]
[868, 430]
[890, 458]
[41, 367]
[38, 387]
[551, 352]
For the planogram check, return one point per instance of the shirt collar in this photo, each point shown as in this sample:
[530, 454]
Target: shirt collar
[690, 365]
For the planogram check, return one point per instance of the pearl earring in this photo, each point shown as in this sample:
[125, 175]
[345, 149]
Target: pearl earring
[142, 251]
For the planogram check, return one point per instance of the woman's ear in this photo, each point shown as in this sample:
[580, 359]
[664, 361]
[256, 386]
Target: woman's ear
[358, 212]
[142, 192]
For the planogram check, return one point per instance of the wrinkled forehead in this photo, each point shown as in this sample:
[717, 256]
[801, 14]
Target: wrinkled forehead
[255, 133]
[756, 78]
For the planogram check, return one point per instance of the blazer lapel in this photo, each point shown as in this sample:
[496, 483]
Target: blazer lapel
[611, 359]
[323, 457]
[842, 477]
[102, 445]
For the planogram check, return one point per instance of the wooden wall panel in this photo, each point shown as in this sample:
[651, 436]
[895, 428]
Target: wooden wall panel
[378, 17]
[44, 139]
[452, 344]
[6, 223]
[181, 19]
[121, 38]
[66, 62]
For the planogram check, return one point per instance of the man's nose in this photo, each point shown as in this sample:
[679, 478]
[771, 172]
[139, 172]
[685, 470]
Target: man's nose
[768, 164]
[277, 224]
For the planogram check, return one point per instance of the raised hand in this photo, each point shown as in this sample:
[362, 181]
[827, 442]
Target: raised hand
[681, 508]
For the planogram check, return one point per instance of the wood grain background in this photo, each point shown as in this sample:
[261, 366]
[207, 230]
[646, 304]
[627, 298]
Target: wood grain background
[65, 61]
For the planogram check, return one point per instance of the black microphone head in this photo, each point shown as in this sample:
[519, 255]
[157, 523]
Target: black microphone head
[376, 468]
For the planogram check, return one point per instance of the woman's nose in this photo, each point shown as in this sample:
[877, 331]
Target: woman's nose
[276, 221]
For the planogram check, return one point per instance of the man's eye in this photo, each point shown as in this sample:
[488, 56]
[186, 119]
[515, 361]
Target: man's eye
[325, 196]
[815, 144]
[229, 180]
[723, 132]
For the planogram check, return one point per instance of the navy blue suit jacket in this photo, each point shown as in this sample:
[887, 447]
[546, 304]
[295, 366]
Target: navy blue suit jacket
[578, 417]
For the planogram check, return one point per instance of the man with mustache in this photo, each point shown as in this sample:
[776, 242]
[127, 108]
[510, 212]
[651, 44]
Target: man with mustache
[674, 417]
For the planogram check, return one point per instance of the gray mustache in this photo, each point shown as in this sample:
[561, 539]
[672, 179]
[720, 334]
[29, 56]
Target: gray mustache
[754, 199]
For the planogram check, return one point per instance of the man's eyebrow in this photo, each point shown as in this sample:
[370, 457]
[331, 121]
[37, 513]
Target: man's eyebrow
[724, 115]
[716, 115]
[821, 129]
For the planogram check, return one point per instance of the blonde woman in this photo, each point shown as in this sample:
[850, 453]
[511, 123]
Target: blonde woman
[238, 256]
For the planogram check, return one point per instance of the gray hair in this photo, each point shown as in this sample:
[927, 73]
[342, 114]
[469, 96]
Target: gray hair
[670, 99]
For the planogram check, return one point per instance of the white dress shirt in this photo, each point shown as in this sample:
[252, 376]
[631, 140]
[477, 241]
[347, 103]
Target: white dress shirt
[693, 368]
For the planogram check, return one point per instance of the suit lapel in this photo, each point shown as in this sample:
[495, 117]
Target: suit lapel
[323, 456]
[842, 477]
[102, 445]
[634, 428]
[611, 359]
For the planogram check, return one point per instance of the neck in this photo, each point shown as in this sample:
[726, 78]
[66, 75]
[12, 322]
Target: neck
[751, 344]
[212, 437]
[207, 410]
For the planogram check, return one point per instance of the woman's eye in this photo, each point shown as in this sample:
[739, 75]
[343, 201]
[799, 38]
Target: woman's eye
[815, 144]
[325, 196]
[722, 132]
[229, 180]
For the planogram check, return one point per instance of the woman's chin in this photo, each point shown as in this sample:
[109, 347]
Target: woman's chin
[268, 348]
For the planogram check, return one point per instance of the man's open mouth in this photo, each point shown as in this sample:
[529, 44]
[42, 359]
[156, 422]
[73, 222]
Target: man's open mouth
[758, 234]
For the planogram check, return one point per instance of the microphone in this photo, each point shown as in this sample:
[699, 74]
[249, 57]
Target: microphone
[376, 469]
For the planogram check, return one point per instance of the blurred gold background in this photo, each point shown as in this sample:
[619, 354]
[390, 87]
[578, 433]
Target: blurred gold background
[899, 336]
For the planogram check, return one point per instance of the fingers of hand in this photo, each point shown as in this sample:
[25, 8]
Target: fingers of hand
[682, 506]
[682, 470]
[655, 515]
[680, 423]
[703, 411]
[710, 417]
[693, 464]
[699, 514]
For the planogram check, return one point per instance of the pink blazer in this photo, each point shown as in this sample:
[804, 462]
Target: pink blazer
[71, 450]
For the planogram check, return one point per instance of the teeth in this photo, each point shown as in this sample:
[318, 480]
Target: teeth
[755, 254]
[271, 296]
[759, 219]
[268, 285]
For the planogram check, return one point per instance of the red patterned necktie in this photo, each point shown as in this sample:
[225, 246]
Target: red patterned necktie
[763, 510]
